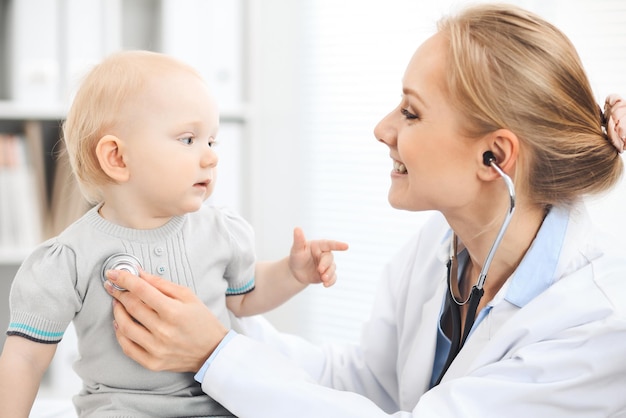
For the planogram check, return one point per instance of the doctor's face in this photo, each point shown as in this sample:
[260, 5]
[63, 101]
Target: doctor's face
[432, 162]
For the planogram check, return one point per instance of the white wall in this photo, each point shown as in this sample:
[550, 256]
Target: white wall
[273, 159]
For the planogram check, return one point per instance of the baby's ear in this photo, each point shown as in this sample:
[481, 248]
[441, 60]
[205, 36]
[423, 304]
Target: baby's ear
[110, 156]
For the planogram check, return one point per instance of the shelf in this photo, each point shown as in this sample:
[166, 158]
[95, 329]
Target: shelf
[10, 110]
[234, 114]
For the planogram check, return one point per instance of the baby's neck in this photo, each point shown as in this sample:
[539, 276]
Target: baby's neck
[129, 218]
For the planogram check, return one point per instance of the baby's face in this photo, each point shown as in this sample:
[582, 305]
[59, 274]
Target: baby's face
[170, 133]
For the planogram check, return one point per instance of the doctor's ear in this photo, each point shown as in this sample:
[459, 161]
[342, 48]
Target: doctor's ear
[502, 148]
[109, 151]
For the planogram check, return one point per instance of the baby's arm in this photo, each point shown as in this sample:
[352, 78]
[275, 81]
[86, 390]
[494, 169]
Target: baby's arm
[22, 365]
[277, 281]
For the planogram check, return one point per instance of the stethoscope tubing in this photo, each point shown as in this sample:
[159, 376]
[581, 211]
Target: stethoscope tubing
[453, 305]
[507, 219]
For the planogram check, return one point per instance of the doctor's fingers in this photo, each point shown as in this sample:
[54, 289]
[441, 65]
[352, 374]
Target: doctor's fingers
[128, 332]
[131, 315]
[147, 345]
[129, 305]
[159, 294]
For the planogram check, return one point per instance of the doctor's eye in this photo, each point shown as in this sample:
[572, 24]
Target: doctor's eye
[408, 115]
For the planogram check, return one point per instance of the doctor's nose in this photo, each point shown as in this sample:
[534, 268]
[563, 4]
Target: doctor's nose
[385, 132]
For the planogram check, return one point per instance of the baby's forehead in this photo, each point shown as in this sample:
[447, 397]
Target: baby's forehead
[162, 76]
[164, 90]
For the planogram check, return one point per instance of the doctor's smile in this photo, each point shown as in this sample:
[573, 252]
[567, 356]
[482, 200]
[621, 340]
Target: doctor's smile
[398, 167]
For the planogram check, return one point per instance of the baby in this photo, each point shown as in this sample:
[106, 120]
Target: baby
[140, 137]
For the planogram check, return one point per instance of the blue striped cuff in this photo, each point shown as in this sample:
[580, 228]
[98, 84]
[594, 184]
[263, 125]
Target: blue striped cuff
[241, 289]
[33, 333]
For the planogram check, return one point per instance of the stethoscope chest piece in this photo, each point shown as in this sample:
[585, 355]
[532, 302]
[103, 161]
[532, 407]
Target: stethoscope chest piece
[121, 261]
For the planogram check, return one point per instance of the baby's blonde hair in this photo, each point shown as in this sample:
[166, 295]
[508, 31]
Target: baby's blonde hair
[98, 105]
[509, 68]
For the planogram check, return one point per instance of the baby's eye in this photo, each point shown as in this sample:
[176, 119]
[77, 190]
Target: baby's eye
[188, 140]
[212, 142]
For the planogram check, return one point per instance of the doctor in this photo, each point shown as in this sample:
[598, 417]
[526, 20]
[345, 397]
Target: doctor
[495, 87]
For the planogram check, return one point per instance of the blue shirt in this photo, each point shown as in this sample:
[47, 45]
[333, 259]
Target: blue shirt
[534, 275]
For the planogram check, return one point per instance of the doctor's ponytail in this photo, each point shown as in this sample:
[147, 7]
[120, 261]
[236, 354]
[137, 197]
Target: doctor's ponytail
[511, 69]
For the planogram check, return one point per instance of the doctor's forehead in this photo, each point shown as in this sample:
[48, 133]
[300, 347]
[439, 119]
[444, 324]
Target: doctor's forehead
[426, 72]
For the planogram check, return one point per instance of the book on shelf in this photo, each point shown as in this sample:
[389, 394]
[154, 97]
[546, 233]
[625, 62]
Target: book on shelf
[22, 213]
[29, 212]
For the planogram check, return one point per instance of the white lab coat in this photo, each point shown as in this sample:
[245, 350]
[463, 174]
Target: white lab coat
[562, 355]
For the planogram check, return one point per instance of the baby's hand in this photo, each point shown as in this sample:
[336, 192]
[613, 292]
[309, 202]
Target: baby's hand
[313, 261]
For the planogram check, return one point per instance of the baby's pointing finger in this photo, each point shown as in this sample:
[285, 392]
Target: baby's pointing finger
[331, 245]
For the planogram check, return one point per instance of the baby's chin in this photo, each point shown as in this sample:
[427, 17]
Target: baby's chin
[189, 208]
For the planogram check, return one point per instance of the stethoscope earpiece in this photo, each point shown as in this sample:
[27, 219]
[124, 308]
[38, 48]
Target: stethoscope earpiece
[488, 157]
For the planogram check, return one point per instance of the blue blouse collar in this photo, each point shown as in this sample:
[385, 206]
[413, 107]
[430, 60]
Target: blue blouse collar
[536, 270]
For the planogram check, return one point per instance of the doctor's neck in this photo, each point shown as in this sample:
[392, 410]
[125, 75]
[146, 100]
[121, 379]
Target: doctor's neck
[521, 232]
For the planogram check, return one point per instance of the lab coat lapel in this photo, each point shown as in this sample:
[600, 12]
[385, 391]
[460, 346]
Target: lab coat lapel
[415, 377]
[417, 347]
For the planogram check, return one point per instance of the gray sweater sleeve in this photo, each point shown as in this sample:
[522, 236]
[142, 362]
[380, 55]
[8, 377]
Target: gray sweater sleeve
[240, 270]
[43, 297]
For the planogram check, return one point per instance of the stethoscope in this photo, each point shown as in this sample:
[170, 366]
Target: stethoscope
[453, 305]
[120, 261]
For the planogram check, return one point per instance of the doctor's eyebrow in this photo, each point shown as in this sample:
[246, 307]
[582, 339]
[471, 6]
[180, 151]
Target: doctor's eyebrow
[408, 91]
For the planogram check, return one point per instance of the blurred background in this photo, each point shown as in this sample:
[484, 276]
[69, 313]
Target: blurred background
[300, 84]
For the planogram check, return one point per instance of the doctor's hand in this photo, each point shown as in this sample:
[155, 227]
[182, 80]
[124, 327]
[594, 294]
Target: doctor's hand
[313, 261]
[171, 330]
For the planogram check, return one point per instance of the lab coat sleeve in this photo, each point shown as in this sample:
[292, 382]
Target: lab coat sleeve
[344, 381]
[368, 369]
[264, 373]
[556, 378]
[252, 379]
